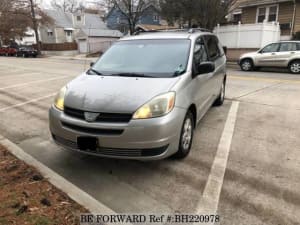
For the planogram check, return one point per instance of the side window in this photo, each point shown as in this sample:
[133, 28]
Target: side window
[288, 47]
[200, 54]
[212, 47]
[270, 48]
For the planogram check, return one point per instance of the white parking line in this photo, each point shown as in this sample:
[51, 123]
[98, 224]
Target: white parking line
[209, 202]
[34, 82]
[20, 74]
[27, 102]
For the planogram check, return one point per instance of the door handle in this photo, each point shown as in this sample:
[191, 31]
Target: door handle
[273, 53]
[293, 52]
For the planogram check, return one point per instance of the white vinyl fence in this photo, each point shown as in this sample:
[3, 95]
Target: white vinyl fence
[248, 35]
[94, 45]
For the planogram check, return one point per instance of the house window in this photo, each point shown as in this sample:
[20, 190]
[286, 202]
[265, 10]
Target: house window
[261, 15]
[50, 33]
[272, 14]
[269, 13]
[118, 20]
[237, 17]
[78, 18]
[155, 18]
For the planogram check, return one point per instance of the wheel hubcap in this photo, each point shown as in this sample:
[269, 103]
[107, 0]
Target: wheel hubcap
[246, 65]
[295, 68]
[187, 134]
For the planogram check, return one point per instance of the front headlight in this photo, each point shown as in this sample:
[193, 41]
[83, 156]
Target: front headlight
[60, 99]
[158, 106]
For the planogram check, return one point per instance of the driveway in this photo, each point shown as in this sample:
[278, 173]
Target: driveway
[262, 161]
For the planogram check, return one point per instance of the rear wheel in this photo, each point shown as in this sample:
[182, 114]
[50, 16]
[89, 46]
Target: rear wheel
[294, 67]
[247, 65]
[186, 136]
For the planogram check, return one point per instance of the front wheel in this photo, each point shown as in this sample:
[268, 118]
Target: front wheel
[186, 136]
[247, 65]
[294, 67]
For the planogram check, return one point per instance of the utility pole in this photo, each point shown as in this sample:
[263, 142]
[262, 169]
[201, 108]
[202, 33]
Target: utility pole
[35, 27]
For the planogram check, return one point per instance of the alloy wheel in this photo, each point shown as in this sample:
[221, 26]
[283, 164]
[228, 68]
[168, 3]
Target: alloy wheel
[187, 134]
[246, 65]
[295, 67]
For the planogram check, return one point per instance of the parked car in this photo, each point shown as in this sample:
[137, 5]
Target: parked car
[143, 98]
[283, 54]
[2, 51]
[7, 51]
[27, 52]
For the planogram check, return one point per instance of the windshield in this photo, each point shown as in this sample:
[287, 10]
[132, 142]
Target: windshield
[147, 58]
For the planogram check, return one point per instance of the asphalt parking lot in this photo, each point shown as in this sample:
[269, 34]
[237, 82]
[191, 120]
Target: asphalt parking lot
[262, 178]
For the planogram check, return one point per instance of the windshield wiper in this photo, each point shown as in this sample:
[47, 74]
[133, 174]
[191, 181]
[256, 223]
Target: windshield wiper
[131, 75]
[94, 71]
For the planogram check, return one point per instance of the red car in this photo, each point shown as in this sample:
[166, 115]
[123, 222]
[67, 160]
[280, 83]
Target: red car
[8, 51]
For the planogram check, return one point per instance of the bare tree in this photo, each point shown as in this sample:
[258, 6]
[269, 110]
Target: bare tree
[68, 5]
[17, 15]
[204, 13]
[13, 22]
[131, 9]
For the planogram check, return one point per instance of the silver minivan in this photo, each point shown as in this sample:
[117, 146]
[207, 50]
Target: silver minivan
[143, 98]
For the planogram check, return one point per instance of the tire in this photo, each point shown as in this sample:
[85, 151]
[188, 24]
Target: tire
[220, 100]
[294, 67]
[247, 65]
[186, 137]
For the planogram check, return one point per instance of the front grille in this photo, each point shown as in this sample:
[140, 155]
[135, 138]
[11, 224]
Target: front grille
[103, 117]
[74, 113]
[94, 131]
[114, 151]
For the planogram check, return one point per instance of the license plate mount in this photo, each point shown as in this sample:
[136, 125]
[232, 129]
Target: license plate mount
[87, 143]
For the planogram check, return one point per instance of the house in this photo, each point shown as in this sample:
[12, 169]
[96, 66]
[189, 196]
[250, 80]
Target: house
[115, 19]
[88, 39]
[77, 27]
[28, 38]
[285, 12]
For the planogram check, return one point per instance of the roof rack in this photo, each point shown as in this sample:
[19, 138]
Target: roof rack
[189, 30]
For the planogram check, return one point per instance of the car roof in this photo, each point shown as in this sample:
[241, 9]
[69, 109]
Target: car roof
[289, 41]
[166, 35]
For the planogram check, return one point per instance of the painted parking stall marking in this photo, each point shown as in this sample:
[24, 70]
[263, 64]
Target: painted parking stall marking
[209, 202]
[34, 82]
[27, 102]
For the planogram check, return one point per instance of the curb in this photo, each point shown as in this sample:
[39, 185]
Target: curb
[75, 193]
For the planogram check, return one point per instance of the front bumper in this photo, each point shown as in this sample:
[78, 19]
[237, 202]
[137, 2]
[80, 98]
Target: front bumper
[149, 139]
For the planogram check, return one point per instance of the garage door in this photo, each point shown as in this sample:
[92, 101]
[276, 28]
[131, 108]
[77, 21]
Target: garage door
[82, 46]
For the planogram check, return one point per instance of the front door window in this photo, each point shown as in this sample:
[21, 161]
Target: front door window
[270, 48]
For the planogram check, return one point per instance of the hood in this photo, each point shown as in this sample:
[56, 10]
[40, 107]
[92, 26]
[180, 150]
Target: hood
[114, 94]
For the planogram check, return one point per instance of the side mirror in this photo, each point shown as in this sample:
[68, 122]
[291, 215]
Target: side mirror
[92, 64]
[206, 67]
